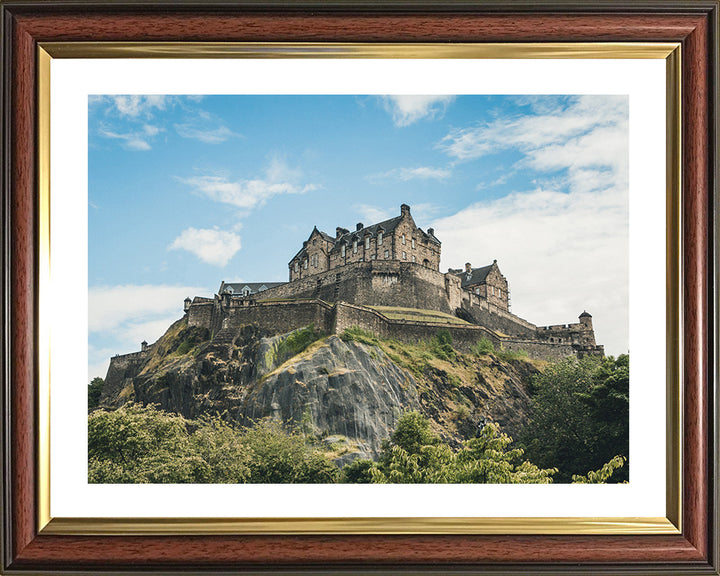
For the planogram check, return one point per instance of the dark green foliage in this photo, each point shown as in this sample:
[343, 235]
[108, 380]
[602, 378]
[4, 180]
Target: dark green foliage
[441, 346]
[579, 416]
[355, 334]
[281, 457]
[297, 342]
[415, 454]
[358, 472]
[190, 338]
[94, 392]
[140, 444]
[483, 347]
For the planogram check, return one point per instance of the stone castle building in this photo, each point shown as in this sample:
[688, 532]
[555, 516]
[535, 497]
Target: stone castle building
[385, 278]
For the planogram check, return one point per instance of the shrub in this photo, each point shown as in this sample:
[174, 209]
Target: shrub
[483, 347]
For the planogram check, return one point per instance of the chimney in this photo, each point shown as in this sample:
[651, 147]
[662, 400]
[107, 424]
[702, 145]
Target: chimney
[359, 226]
[404, 210]
[431, 231]
[305, 244]
[468, 267]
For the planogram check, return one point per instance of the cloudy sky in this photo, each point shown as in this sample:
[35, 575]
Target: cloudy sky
[185, 192]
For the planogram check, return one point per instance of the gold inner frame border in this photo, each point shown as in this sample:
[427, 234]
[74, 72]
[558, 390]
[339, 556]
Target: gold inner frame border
[670, 524]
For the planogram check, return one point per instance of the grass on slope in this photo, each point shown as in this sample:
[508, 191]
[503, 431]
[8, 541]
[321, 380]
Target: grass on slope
[416, 315]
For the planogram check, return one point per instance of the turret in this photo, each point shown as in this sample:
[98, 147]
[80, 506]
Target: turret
[187, 302]
[143, 345]
[586, 320]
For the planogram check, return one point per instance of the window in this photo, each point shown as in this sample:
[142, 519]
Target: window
[354, 246]
[413, 257]
[477, 291]
[372, 256]
[380, 238]
[367, 242]
[404, 255]
[305, 262]
[296, 266]
[342, 250]
[387, 253]
[412, 243]
[402, 238]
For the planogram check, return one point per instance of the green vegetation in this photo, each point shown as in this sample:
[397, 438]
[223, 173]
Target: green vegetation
[600, 476]
[297, 342]
[579, 419]
[415, 454]
[94, 391]
[483, 347]
[141, 444]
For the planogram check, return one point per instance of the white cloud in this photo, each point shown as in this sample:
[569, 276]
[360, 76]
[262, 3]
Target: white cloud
[590, 131]
[136, 139]
[212, 246]
[561, 254]
[371, 214]
[138, 105]
[407, 109]
[249, 194]
[113, 308]
[417, 173]
[563, 247]
[207, 132]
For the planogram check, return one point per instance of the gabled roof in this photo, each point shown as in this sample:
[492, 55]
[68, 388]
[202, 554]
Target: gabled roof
[255, 287]
[477, 276]
[322, 235]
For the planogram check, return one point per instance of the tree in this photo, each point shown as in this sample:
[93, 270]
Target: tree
[415, 454]
[94, 392]
[140, 444]
[579, 416]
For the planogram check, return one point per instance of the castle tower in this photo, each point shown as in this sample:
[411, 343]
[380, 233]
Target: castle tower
[187, 303]
[586, 319]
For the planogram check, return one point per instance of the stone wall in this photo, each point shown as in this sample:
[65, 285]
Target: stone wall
[486, 314]
[377, 283]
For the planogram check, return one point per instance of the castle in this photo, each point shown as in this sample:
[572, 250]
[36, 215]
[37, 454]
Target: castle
[385, 278]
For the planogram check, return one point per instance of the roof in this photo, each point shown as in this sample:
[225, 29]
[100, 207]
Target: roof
[477, 276]
[387, 226]
[585, 315]
[255, 287]
[303, 250]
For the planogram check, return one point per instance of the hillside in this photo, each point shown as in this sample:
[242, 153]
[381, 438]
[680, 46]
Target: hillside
[349, 390]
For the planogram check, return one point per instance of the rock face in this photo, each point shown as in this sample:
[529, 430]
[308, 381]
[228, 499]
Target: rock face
[348, 393]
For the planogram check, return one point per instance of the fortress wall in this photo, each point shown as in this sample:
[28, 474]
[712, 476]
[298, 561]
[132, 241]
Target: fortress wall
[539, 349]
[495, 318]
[281, 317]
[201, 314]
[121, 370]
[380, 283]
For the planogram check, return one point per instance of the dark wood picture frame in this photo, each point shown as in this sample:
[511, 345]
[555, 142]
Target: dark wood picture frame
[26, 24]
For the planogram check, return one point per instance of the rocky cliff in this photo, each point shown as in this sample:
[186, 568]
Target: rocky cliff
[348, 390]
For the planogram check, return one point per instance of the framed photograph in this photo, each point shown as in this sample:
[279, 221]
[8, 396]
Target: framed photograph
[392, 228]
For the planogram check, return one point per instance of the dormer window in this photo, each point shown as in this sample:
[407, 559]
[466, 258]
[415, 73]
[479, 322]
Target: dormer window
[305, 264]
[342, 250]
[367, 242]
[296, 266]
[355, 243]
[380, 238]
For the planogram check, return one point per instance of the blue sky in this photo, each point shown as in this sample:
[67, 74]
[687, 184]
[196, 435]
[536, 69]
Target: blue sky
[186, 191]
